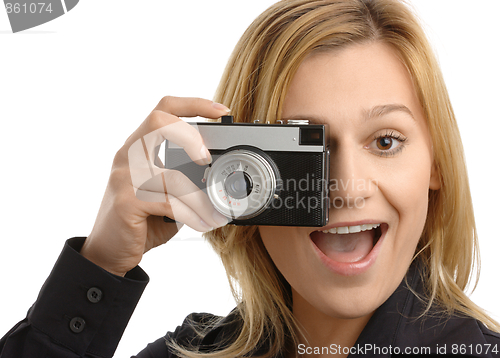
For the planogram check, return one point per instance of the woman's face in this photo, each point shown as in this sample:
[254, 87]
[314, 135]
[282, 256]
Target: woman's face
[381, 172]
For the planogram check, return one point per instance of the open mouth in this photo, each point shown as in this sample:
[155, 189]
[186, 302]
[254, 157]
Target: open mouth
[349, 244]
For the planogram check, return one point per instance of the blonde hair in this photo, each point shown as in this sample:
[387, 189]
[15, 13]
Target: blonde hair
[253, 86]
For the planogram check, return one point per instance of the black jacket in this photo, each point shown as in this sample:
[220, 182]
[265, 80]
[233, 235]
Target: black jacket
[82, 311]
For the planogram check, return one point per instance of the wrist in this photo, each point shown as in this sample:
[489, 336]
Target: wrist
[97, 257]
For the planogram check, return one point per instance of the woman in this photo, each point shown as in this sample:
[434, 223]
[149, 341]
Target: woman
[400, 260]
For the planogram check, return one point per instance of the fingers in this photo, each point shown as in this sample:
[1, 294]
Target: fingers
[184, 135]
[179, 132]
[191, 107]
[169, 192]
[178, 210]
[160, 126]
[142, 153]
[163, 124]
[185, 194]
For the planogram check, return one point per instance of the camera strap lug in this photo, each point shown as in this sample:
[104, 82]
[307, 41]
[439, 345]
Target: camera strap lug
[205, 175]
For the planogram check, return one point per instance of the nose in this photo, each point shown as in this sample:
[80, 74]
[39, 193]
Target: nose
[351, 184]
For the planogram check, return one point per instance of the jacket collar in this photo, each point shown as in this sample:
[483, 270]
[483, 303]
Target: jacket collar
[398, 325]
[395, 326]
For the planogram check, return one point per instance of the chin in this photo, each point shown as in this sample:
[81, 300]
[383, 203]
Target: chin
[357, 285]
[353, 310]
[350, 302]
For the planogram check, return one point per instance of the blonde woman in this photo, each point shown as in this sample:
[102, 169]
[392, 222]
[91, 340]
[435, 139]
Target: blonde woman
[385, 276]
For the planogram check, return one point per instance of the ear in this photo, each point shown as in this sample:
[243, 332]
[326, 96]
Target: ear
[435, 180]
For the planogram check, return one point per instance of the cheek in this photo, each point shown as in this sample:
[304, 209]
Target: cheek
[272, 241]
[284, 246]
[407, 190]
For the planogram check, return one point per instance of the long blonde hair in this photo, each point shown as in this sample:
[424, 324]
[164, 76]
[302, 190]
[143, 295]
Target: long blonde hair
[253, 86]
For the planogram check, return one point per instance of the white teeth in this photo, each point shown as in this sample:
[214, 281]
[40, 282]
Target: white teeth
[356, 228]
[331, 231]
[343, 230]
[351, 229]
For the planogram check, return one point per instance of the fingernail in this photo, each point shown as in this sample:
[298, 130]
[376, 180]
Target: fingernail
[205, 155]
[219, 219]
[220, 107]
[205, 227]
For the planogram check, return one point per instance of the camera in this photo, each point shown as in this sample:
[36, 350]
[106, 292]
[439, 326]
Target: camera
[261, 173]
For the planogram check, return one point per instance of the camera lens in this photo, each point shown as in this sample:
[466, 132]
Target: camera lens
[238, 185]
[242, 183]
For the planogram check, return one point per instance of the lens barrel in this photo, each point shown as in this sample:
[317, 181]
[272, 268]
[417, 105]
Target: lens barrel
[242, 183]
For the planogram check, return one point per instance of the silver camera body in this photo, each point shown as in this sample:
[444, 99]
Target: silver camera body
[262, 174]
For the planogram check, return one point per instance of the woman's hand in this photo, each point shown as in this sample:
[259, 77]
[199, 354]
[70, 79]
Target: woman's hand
[139, 192]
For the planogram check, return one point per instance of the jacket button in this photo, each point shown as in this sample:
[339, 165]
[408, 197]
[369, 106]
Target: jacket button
[94, 295]
[77, 324]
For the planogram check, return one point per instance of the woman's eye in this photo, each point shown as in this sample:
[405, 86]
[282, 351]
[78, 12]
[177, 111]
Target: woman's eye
[388, 144]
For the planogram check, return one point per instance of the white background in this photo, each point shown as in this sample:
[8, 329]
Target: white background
[72, 91]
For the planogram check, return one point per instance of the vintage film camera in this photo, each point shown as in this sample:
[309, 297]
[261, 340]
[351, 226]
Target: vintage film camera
[261, 174]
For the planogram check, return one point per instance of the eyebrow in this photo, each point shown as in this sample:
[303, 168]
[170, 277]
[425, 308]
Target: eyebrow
[374, 112]
[379, 111]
